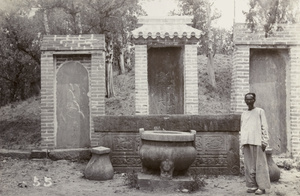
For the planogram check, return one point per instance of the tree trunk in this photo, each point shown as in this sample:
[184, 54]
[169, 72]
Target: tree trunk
[210, 59]
[79, 22]
[46, 23]
[121, 62]
[109, 70]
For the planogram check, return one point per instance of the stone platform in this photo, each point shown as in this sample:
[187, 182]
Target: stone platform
[150, 182]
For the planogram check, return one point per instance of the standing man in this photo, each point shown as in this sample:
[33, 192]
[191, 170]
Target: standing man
[254, 140]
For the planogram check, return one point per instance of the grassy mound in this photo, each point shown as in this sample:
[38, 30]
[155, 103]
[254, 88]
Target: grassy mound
[20, 124]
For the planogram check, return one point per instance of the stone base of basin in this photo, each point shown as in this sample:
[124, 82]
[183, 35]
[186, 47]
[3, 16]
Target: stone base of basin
[150, 182]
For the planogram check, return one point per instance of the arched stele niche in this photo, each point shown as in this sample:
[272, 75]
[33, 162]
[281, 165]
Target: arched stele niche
[72, 106]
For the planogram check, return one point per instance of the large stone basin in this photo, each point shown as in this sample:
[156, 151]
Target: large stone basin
[167, 151]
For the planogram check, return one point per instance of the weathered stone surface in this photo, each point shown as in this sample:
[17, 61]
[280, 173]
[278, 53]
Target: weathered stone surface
[155, 183]
[200, 123]
[165, 80]
[152, 122]
[171, 136]
[99, 167]
[100, 150]
[39, 154]
[70, 154]
[178, 122]
[215, 123]
[15, 154]
[73, 120]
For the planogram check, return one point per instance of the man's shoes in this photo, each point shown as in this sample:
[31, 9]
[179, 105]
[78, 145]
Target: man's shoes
[251, 190]
[260, 192]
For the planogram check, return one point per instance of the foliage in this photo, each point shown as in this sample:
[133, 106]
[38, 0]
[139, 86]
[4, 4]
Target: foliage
[23, 24]
[271, 13]
[19, 56]
[222, 39]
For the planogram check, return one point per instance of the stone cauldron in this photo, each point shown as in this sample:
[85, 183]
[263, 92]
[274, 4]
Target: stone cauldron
[166, 152]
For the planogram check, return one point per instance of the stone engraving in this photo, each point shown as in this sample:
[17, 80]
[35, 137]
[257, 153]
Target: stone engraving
[198, 143]
[126, 161]
[123, 143]
[72, 106]
[211, 161]
[215, 143]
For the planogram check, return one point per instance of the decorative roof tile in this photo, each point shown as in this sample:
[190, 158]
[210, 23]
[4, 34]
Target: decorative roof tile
[170, 26]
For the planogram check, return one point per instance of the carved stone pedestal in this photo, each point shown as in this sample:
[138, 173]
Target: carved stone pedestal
[99, 167]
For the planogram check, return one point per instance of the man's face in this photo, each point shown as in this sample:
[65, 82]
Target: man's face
[249, 100]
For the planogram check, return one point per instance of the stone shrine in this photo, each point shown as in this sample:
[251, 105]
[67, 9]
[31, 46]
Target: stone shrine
[166, 70]
[72, 89]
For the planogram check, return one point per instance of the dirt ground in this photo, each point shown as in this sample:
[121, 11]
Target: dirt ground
[17, 178]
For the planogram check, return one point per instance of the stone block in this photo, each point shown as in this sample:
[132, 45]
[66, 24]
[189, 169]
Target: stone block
[99, 167]
[149, 182]
[39, 154]
[178, 122]
[70, 154]
[15, 154]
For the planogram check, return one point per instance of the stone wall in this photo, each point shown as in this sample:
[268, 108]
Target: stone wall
[57, 49]
[287, 38]
[217, 139]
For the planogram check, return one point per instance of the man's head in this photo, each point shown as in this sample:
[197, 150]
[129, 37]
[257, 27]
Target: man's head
[249, 100]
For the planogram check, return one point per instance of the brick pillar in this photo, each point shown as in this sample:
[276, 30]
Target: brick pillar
[295, 101]
[240, 78]
[190, 80]
[48, 121]
[97, 91]
[141, 80]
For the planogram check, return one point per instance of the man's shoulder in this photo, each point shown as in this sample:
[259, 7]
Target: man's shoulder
[259, 109]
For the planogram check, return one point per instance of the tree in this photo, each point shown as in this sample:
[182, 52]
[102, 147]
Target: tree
[203, 16]
[19, 54]
[21, 34]
[271, 13]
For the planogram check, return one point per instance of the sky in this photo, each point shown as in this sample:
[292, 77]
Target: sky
[162, 8]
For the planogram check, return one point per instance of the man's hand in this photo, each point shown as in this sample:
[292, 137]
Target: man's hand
[263, 147]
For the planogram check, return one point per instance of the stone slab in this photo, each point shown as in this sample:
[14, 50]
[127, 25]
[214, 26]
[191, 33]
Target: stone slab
[150, 182]
[39, 154]
[70, 154]
[100, 150]
[15, 154]
[200, 123]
